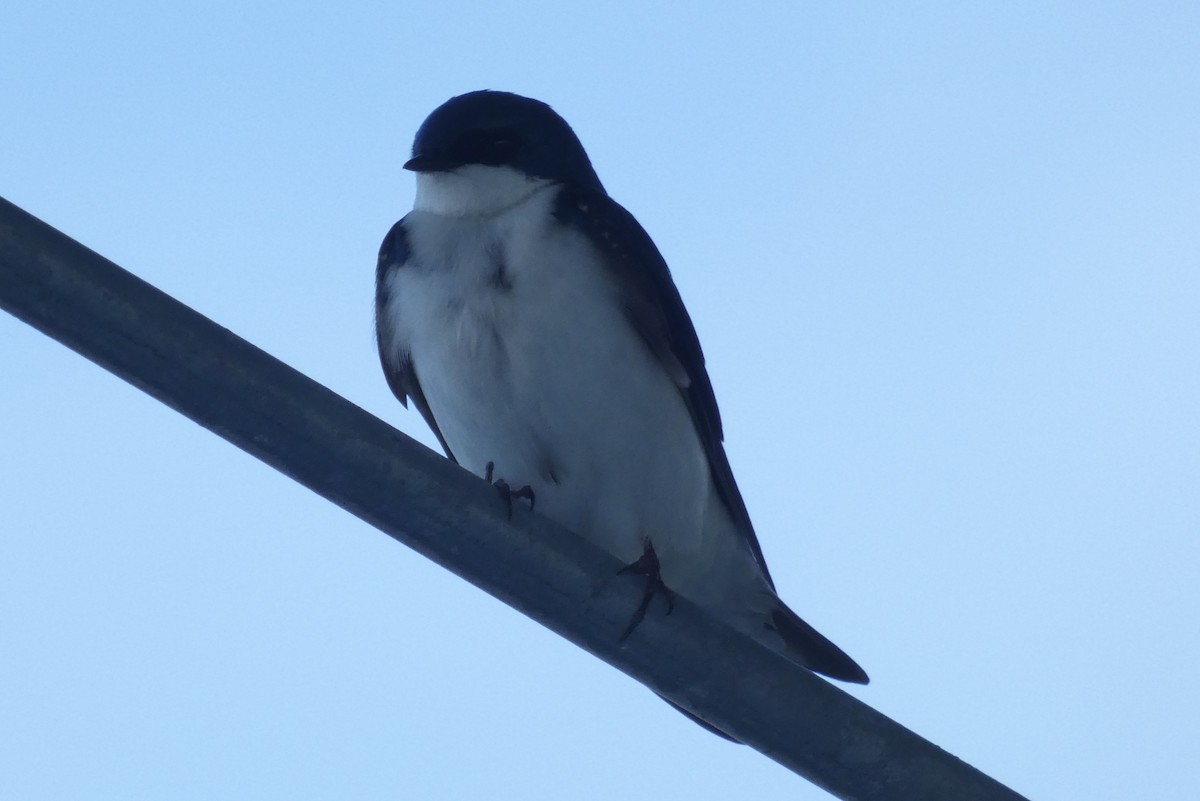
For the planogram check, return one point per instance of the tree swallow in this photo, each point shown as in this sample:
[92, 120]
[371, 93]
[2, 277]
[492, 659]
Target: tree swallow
[536, 328]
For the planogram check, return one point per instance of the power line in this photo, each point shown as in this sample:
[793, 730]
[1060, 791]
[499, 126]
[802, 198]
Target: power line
[336, 449]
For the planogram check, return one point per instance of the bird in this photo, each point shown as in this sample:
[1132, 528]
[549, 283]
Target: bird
[534, 324]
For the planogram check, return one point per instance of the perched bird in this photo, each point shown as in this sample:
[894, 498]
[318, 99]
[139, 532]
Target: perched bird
[535, 326]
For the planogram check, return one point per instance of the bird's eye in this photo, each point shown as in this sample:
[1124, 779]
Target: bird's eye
[502, 147]
[488, 147]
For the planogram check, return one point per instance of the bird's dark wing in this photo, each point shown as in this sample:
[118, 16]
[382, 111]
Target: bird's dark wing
[656, 311]
[397, 364]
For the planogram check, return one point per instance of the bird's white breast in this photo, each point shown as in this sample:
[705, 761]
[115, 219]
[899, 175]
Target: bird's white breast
[527, 360]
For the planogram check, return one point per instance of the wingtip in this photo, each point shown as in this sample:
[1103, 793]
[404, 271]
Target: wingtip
[813, 650]
[856, 676]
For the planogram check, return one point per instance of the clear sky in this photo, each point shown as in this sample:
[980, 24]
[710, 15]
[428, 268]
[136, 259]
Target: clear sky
[944, 259]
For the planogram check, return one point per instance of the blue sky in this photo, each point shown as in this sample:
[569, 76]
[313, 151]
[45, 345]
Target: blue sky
[945, 263]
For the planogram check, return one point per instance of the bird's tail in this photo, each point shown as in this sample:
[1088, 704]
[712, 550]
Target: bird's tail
[811, 649]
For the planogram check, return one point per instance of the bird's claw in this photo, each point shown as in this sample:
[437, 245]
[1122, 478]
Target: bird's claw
[647, 565]
[506, 491]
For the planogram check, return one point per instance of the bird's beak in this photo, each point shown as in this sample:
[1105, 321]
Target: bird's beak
[422, 162]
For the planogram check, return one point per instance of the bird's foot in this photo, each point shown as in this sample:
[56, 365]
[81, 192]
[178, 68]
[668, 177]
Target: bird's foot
[647, 565]
[507, 492]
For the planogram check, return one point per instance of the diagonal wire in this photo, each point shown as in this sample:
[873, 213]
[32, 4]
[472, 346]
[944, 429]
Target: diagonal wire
[357, 461]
